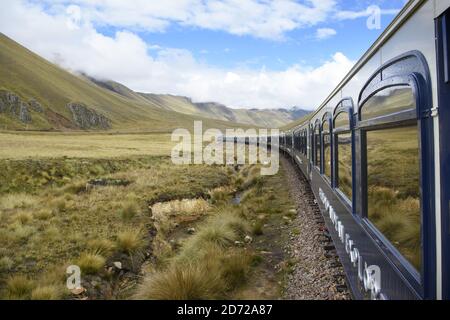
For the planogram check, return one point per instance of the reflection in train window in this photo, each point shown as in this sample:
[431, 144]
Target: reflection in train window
[389, 101]
[317, 150]
[326, 148]
[342, 121]
[344, 163]
[393, 188]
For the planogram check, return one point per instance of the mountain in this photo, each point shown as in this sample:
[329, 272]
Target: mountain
[269, 118]
[38, 95]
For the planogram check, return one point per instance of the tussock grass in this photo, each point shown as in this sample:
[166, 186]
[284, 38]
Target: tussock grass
[130, 241]
[185, 206]
[6, 264]
[167, 215]
[44, 214]
[17, 200]
[51, 233]
[23, 217]
[206, 267]
[46, 293]
[221, 195]
[21, 232]
[91, 262]
[64, 217]
[19, 287]
[129, 210]
[102, 246]
[187, 282]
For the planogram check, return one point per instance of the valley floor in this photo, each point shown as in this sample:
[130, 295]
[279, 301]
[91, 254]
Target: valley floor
[137, 226]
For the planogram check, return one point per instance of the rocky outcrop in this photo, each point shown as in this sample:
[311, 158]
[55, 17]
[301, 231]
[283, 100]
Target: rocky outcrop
[36, 106]
[11, 103]
[86, 118]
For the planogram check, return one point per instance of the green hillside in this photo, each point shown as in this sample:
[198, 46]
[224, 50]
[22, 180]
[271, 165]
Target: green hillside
[30, 77]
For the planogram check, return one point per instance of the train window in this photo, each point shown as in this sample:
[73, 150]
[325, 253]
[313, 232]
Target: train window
[326, 134]
[305, 142]
[393, 187]
[344, 163]
[317, 147]
[343, 153]
[342, 121]
[389, 101]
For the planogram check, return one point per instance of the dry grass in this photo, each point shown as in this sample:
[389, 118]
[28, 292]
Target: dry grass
[180, 207]
[6, 264]
[187, 282]
[17, 200]
[130, 241]
[102, 246]
[129, 210]
[19, 288]
[168, 215]
[208, 265]
[91, 262]
[23, 217]
[79, 145]
[48, 225]
[46, 293]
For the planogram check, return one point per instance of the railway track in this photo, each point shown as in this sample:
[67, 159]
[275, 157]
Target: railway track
[318, 273]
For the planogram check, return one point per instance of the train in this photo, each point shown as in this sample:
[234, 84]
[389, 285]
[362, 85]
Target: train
[376, 153]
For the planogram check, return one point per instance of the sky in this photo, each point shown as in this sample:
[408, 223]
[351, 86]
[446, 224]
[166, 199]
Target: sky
[241, 53]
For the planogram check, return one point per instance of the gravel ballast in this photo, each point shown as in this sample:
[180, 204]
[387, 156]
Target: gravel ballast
[317, 273]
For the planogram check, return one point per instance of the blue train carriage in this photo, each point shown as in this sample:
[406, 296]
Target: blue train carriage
[377, 155]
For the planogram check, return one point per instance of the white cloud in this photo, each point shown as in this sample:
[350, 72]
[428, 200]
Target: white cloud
[126, 58]
[325, 33]
[262, 19]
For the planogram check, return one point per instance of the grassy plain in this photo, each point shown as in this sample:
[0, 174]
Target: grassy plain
[118, 208]
[82, 145]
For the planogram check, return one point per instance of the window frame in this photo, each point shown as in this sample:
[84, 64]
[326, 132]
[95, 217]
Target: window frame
[317, 126]
[346, 105]
[417, 278]
[327, 117]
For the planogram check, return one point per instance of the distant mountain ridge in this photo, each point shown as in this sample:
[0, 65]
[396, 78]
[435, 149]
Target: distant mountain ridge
[270, 118]
[38, 95]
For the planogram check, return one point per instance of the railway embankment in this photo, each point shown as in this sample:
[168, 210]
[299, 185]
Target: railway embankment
[317, 273]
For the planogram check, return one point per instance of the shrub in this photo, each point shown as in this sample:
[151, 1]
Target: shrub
[91, 263]
[19, 288]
